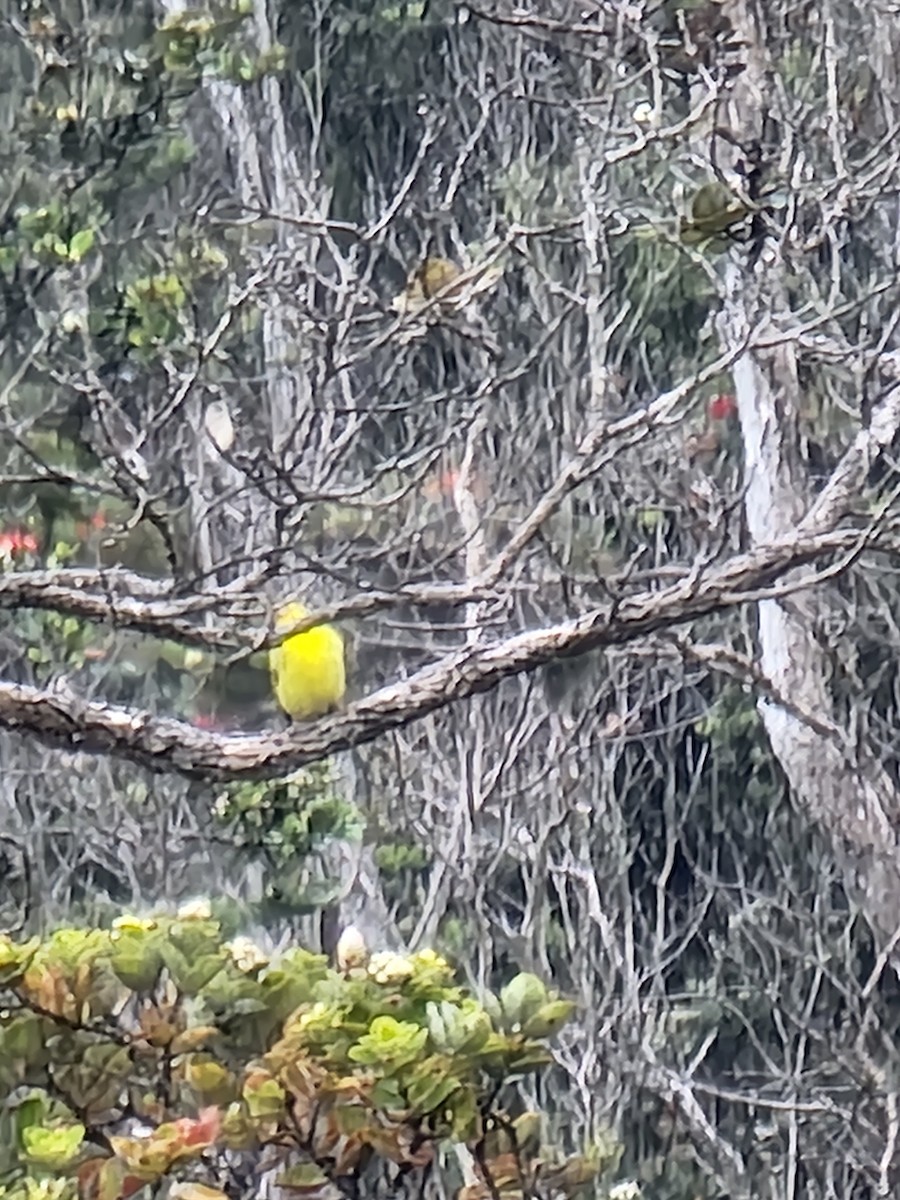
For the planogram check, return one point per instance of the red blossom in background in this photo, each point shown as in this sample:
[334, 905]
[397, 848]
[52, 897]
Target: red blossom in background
[17, 541]
[83, 529]
[205, 721]
[721, 408]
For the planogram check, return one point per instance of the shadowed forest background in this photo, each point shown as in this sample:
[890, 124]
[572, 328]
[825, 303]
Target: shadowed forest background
[665, 392]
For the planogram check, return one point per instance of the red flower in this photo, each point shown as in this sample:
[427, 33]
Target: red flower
[722, 407]
[83, 528]
[17, 541]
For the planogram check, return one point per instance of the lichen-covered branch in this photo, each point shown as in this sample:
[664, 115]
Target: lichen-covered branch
[165, 745]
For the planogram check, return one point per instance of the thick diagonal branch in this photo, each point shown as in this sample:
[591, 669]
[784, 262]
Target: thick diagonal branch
[173, 746]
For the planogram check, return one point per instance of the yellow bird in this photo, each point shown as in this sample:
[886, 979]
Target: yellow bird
[442, 280]
[307, 669]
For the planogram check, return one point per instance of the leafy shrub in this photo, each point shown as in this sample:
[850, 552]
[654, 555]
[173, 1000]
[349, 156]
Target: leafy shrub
[156, 1053]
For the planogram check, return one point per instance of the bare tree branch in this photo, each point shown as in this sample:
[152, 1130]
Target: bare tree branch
[167, 745]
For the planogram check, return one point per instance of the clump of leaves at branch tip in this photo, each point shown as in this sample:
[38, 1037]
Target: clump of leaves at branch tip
[118, 135]
[400, 859]
[402, 867]
[54, 640]
[197, 44]
[289, 818]
[152, 310]
[155, 1051]
[50, 234]
[731, 718]
[150, 313]
[53, 234]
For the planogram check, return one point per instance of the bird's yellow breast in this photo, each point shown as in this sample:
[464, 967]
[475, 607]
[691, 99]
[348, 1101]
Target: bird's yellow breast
[307, 669]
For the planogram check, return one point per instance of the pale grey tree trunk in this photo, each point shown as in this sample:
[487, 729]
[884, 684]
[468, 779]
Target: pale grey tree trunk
[849, 796]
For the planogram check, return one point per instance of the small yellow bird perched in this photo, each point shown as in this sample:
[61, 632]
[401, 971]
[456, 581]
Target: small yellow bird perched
[308, 668]
[442, 280]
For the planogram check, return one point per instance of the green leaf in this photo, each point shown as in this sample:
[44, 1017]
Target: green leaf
[136, 959]
[265, 1099]
[389, 1043]
[427, 1092]
[191, 978]
[474, 1032]
[465, 1118]
[529, 1057]
[22, 1039]
[492, 1007]
[81, 244]
[522, 997]
[14, 959]
[31, 1113]
[303, 1178]
[53, 1148]
[388, 1094]
[438, 1030]
[548, 1019]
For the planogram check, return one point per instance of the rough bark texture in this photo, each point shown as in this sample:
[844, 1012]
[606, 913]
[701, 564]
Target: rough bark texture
[171, 746]
[849, 795]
